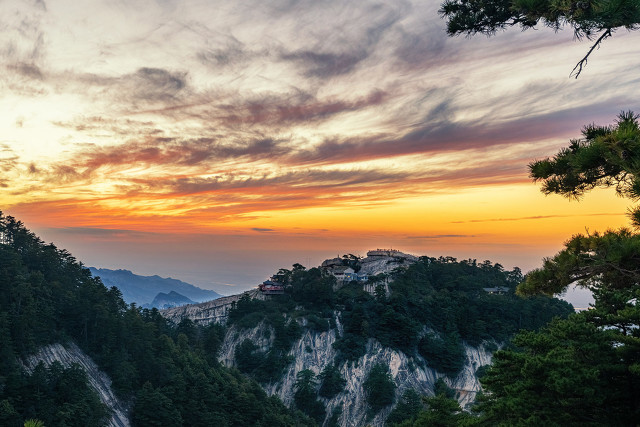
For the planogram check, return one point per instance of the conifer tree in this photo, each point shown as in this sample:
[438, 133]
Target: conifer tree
[584, 370]
[588, 18]
[379, 388]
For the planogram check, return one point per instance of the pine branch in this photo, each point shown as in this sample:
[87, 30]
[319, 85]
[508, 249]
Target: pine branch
[583, 62]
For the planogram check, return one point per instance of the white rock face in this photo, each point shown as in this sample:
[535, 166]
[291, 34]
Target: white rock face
[314, 351]
[98, 380]
[466, 383]
[211, 311]
[379, 265]
[261, 336]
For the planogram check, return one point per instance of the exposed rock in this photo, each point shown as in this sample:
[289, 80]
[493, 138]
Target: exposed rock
[211, 311]
[98, 380]
[314, 351]
[381, 261]
[466, 383]
[384, 264]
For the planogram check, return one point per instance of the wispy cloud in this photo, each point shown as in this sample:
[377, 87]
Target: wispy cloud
[339, 53]
[98, 232]
[156, 84]
[536, 217]
[300, 109]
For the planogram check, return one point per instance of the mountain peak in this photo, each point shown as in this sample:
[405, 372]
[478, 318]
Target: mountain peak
[144, 289]
[172, 299]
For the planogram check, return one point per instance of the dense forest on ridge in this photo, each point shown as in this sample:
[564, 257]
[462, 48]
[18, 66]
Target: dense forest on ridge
[171, 373]
[442, 296]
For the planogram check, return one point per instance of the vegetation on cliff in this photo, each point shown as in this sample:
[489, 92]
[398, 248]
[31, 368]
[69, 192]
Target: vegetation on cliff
[434, 307]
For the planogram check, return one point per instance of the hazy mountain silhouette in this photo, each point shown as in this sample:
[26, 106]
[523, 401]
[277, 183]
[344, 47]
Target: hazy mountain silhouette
[143, 289]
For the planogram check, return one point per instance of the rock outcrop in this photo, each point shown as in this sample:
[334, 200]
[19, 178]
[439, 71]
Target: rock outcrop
[384, 261]
[99, 381]
[314, 351]
[381, 261]
[211, 311]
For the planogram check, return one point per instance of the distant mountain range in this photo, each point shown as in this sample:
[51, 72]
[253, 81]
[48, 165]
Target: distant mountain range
[143, 290]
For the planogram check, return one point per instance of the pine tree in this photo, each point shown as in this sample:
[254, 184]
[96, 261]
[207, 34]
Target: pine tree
[588, 18]
[379, 388]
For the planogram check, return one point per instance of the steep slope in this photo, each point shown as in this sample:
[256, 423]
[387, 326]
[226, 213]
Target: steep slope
[170, 374]
[314, 351]
[205, 313]
[99, 381]
[143, 289]
[423, 319]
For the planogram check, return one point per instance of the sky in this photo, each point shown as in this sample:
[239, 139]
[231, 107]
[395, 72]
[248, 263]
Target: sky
[216, 142]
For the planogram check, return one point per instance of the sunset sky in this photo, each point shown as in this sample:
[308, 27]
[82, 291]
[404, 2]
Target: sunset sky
[217, 141]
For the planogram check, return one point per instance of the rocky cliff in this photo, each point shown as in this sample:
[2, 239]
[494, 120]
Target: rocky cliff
[314, 351]
[207, 312]
[70, 354]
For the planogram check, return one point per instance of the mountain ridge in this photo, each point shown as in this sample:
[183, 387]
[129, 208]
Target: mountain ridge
[172, 299]
[143, 289]
[427, 320]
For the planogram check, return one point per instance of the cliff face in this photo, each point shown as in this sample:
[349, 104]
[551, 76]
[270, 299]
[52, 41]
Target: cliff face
[99, 381]
[204, 313]
[314, 351]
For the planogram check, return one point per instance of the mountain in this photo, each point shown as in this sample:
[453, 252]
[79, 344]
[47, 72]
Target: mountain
[143, 289]
[172, 299]
[411, 326]
[69, 355]
[356, 342]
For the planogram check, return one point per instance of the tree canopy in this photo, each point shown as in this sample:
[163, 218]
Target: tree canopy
[570, 373]
[587, 18]
[305, 395]
[606, 263]
[606, 156]
[443, 294]
[379, 388]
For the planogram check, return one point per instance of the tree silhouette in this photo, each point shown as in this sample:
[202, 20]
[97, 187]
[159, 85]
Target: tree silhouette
[589, 19]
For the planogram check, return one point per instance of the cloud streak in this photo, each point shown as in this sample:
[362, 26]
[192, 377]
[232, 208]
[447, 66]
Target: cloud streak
[536, 217]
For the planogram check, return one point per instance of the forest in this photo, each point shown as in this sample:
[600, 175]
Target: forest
[583, 370]
[551, 367]
[577, 369]
[443, 295]
[169, 372]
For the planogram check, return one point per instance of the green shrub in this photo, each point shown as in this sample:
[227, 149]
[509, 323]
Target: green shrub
[332, 381]
[443, 354]
[379, 388]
